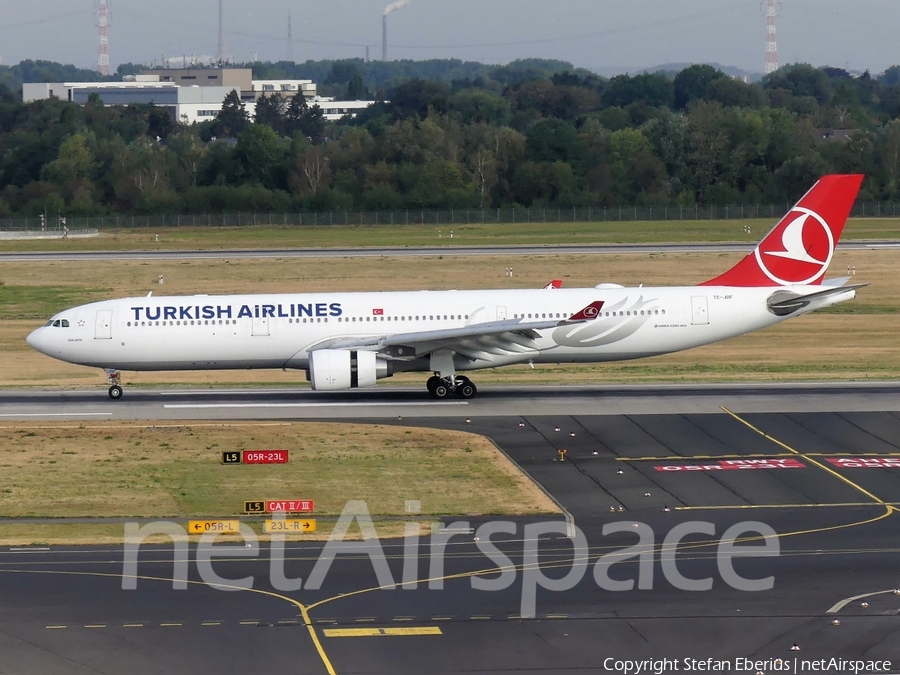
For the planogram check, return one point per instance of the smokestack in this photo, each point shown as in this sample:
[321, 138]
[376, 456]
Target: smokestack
[221, 36]
[387, 10]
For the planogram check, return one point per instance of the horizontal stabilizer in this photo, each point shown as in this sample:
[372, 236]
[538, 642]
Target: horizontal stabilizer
[783, 303]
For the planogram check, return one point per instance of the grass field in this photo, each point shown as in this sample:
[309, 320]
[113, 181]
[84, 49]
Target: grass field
[851, 341]
[174, 471]
[255, 237]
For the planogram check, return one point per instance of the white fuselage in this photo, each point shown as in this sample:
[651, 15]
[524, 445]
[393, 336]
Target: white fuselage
[280, 331]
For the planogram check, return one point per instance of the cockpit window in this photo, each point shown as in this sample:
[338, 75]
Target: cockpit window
[58, 323]
[49, 323]
[65, 323]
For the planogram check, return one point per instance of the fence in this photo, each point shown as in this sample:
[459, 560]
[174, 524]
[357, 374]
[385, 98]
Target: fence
[438, 217]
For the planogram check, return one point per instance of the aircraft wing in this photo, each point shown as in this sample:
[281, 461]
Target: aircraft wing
[478, 341]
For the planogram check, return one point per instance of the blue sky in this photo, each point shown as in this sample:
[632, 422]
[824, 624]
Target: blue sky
[603, 35]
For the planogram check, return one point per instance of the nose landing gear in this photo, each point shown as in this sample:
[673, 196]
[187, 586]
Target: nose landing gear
[115, 390]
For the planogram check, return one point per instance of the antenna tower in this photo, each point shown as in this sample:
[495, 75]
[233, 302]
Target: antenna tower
[103, 46]
[221, 55]
[772, 8]
[290, 44]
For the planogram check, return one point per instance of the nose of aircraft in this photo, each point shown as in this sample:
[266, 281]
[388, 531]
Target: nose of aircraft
[37, 340]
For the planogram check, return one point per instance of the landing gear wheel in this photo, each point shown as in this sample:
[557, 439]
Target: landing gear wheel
[441, 390]
[466, 389]
[115, 392]
[432, 383]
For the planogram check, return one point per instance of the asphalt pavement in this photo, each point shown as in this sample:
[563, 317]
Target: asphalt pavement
[824, 481]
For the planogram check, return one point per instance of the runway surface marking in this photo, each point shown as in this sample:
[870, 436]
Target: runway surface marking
[375, 632]
[808, 458]
[736, 507]
[345, 404]
[687, 458]
[66, 414]
[837, 607]
[304, 610]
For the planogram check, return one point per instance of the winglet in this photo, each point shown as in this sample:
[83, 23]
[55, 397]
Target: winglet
[799, 248]
[592, 311]
[556, 283]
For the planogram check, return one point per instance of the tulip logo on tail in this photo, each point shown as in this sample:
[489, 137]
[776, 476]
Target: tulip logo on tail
[803, 251]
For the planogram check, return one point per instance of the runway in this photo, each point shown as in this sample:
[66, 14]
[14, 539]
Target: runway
[388, 402]
[818, 464]
[410, 251]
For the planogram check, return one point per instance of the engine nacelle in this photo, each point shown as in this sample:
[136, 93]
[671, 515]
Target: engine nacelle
[337, 369]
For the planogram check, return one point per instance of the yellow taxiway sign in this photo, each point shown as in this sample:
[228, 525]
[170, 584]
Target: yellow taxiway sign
[289, 526]
[220, 526]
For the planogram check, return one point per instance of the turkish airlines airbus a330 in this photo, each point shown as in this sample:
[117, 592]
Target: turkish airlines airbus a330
[349, 340]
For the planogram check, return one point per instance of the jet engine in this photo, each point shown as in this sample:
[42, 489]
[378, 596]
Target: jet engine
[337, 369]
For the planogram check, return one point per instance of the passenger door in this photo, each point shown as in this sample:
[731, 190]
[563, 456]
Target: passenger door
[260, 325]
[103, 325]
[699, 310]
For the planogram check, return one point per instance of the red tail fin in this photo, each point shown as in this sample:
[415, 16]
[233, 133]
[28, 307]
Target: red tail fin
[799, 248]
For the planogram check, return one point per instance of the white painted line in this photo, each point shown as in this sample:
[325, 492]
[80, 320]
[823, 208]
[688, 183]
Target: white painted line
[843, 603]
[66, 414]
[314, 405]
[29, 549]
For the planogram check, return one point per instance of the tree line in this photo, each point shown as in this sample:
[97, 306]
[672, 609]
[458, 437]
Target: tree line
[531, 133]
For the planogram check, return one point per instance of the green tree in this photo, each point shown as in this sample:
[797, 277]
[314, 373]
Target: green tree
[475, 106]
[75, 161]
[734, 93]
[356, 88]
[555, 140]
[651, 88]
[312, 124]
[260, 156]
[270, 110]
[801, 80]
[232, 118]
[296, 109]
[418, 98]
[690, 84]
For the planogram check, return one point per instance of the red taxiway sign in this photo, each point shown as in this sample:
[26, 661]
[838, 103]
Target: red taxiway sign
[289, 505]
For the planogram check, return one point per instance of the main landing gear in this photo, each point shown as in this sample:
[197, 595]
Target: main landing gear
[115, 390]
[445, 387]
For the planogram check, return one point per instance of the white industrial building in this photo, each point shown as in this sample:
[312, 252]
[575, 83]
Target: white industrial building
[191, 95]
[186, 104]
[335, 110]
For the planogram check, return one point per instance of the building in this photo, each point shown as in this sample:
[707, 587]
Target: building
[233, 78]
[186, 104]
[287, 88]
[335, 110]
[190, 94]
